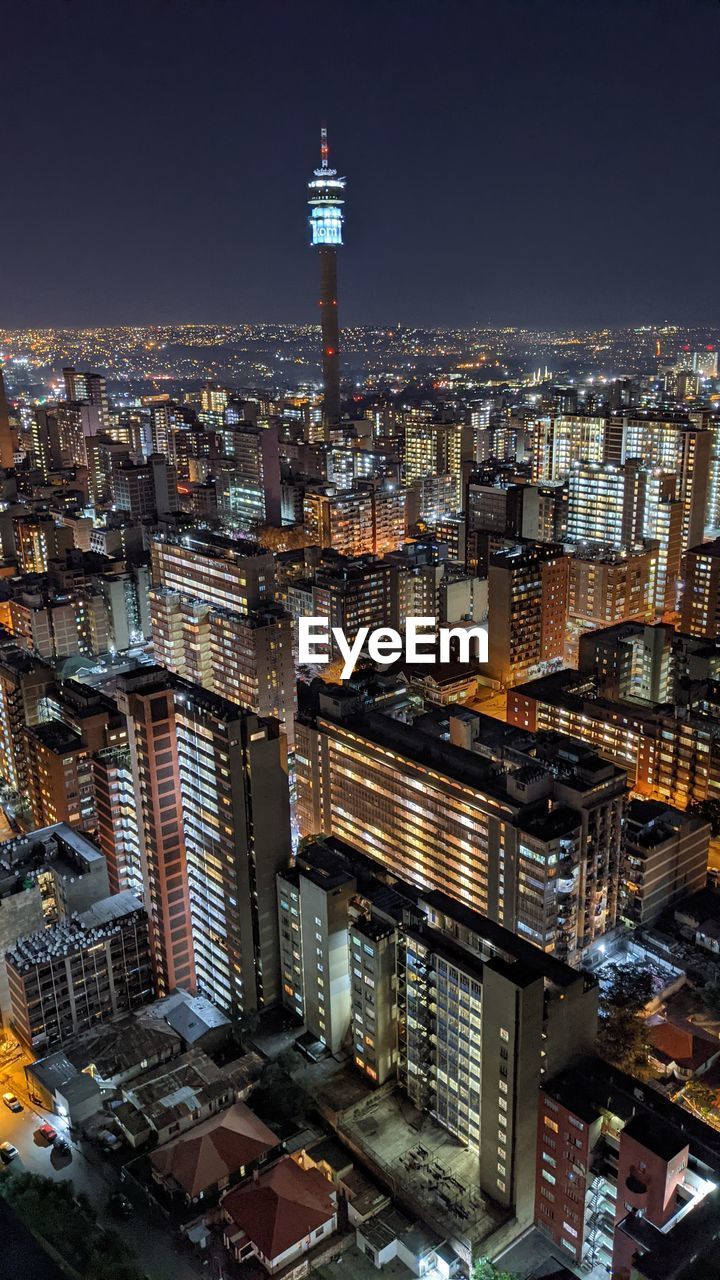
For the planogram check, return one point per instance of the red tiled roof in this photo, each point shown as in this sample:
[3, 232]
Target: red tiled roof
[281, 1207]
[678, 1044]
[214, 1150]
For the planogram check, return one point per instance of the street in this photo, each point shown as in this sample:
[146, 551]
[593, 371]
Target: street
[158, 1256]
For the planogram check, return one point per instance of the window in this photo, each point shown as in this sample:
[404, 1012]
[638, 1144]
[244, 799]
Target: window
[504, 1035]
[548, 1177]
[550, 1124]
[501, 1184]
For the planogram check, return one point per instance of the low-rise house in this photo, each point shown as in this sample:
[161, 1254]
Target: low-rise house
[60, 1087]
[681, 1051]
[279, 1216]
[194, 1018]
[389, 1236]
[214, 1155]
[167, 1101]
[120, 1050]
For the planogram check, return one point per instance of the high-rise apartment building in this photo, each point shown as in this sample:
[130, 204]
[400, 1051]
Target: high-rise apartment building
[146, 490]
[650, 707]
[353, 593]
[680, 448]
[214, 831]
[606, 586]
[666, 859]
[606, 503]
[365, 520]
[24, 681]
[527, 602]
[249, 494]
[148, 702]
[313, 901]
[558, 442]
[537, 848]
[214, 622]
[626, 1180]
[90, 388]
[700, 605]
[221, 572]
[437, 449]
[465, 1016]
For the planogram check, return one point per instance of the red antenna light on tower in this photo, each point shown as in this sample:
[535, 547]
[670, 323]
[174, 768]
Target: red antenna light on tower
[324, 148]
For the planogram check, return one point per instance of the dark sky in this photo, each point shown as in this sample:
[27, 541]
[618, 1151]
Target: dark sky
[538, 162]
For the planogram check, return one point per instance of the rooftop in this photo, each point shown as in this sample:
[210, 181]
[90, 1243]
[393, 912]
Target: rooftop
[281, 1207]
[214, 1150]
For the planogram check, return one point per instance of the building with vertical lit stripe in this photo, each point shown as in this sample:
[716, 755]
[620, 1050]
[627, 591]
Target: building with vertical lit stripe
[215, 830]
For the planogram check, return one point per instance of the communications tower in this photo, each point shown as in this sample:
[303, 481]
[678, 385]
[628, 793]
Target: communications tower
[326, 222]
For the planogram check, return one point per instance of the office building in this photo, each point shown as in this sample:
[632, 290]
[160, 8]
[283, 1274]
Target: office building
[66, 979]
[146, 490]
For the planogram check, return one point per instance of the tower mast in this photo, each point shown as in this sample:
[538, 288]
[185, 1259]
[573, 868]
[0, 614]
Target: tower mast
[326, 221]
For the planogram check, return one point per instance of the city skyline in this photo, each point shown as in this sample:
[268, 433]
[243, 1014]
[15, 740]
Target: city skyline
[545, 183]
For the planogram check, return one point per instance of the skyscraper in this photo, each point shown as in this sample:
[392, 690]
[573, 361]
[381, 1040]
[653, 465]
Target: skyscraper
[326, 220]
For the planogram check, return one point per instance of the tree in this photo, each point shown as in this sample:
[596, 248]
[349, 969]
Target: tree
[622, 1034]
[484, 1269]
[65, 1221]
[276, 1096]
[710, 996]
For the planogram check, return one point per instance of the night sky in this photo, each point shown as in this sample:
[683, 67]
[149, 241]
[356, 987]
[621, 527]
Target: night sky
[535, 162]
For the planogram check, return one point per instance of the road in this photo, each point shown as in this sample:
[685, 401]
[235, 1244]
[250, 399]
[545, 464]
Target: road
[146, 1234]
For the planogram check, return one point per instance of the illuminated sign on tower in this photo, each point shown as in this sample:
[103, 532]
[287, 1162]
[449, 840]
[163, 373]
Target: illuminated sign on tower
[326, 222]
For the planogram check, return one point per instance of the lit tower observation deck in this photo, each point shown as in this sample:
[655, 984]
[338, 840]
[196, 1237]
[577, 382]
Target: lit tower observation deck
[326, 221]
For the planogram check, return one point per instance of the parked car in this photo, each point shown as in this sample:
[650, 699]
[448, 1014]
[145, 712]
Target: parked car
[12, 1102]
[7, 1152]
[108, 1140]
[47, 1132]
[120, 1205]
[61, 1146]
